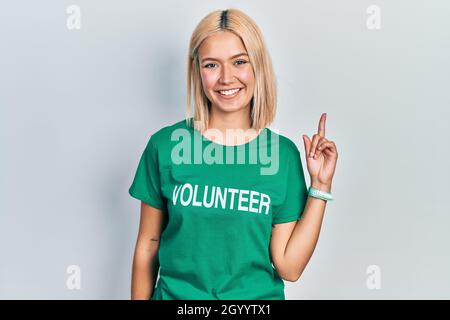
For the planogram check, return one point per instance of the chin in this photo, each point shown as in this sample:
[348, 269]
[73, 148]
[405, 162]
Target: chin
[229, 108]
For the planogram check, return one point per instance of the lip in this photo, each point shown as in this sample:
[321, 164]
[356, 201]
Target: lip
[231, 96]
[229, 89]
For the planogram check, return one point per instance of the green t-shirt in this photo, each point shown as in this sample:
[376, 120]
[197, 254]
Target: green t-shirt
[220, 214]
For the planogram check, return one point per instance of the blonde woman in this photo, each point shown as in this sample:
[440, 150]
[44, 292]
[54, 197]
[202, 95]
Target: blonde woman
[225, 210]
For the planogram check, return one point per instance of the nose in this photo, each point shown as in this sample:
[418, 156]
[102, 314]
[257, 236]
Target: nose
[226, 74]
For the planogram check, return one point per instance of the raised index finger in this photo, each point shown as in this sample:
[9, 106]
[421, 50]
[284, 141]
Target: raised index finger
[321, 130]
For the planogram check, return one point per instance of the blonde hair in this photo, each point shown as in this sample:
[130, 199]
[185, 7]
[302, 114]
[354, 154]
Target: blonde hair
[263, 102]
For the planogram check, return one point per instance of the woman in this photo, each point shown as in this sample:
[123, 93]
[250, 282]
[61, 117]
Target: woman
[221, 194]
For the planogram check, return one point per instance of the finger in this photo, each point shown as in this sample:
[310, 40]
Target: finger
[321, 130]
[328, 147]
[314, 143]
[319, 147]
[307, 144]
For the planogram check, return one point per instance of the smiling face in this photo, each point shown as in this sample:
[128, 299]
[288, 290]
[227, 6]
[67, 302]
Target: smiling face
[225, 66]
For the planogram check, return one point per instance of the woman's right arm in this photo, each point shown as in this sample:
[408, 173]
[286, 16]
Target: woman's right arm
[145, 261]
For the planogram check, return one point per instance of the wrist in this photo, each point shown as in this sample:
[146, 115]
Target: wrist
[326, 187]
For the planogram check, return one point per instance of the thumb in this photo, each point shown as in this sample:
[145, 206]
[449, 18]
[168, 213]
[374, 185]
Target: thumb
[307, 144]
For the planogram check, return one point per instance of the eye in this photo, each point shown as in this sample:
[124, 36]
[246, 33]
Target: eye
[243, 61]
[240, 60]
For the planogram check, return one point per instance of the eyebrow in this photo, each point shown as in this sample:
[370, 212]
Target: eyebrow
[236, 55]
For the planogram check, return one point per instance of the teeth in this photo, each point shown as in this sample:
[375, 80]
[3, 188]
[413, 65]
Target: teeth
[229, 92]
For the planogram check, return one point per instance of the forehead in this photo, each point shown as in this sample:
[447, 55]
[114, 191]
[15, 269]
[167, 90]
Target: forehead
[221, 44]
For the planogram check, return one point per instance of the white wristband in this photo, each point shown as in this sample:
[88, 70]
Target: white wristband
[320, 194]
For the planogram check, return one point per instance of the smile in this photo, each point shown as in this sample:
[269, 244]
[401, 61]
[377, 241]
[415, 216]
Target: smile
[229, 93]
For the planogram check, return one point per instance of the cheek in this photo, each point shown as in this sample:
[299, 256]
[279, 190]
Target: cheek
[247, 77]
[208, 79]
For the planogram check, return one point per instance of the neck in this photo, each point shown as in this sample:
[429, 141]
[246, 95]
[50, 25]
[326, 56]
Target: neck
[224, 121]
[229, 120]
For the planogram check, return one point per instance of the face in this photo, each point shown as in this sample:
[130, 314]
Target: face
[225, 65]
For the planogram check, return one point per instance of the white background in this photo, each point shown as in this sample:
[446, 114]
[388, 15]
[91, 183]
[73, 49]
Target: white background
[77, 108]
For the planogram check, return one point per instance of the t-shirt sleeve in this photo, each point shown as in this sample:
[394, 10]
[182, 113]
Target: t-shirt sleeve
[146, 184]
[296, 191]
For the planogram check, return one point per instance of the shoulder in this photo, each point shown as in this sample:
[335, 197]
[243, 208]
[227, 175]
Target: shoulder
[286, 145]
[288, 154]
[162, 137]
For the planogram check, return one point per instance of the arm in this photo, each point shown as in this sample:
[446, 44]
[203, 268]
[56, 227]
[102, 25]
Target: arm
[293, 243]
[145, 261]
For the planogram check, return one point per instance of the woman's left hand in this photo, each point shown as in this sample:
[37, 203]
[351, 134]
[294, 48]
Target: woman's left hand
[322, 165]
